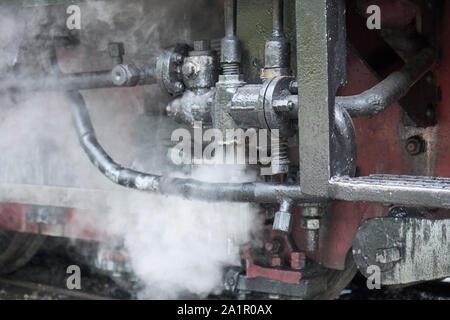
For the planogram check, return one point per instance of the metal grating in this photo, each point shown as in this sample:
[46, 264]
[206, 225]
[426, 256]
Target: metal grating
[405, 190]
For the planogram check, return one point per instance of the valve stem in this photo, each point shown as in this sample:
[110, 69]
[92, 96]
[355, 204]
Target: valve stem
[230, 47]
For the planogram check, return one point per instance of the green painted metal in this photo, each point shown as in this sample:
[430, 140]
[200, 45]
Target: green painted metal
[315, 105]
[254, 27]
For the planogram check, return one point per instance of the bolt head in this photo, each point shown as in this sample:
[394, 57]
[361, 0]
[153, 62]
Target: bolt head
[190, 70]
[119, 76]
[282, 222]
[311, 224]
[125, 75]
[415, 145]
[116, 49]
[275, 261]
[298, 260]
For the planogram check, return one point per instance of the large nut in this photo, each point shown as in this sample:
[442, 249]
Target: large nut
[282, 222]
[311, 224]
[125, 75]
[190, 70]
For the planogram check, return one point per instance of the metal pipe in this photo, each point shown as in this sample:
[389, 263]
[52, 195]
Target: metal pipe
[390, 90]
[63, 82]
[230, 18]
[81, 81]
[230, 56]
[187, 188]
[278, 18]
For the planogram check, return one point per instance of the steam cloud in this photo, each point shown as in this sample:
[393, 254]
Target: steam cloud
[176, 246]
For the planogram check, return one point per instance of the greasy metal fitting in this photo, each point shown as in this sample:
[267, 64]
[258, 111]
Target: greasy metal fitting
[200, 68]
[275, 96]
[283, 218]
[311, 223]
[230, 53]
[277, 58]
[169, 69]
[230, 57]
[129, 75]
[277, 53]
[191, 69]
[125, 75]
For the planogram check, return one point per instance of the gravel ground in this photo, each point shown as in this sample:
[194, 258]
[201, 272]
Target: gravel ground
[44, 278]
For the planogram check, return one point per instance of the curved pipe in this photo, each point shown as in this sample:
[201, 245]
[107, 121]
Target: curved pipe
[191, 189]
[390, 90]
[394, 87]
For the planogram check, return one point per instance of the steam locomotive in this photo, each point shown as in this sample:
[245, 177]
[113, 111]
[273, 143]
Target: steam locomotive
[350, 95]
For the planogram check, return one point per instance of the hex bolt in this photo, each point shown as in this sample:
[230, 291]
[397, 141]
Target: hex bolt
[311, 224]
[275, 261]
[125, 75]
[116, 52]
[190, 70]
[283, 218]
[298, 260]
[415, 145]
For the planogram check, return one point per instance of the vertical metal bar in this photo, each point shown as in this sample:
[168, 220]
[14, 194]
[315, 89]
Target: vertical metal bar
[320, 32]
[230, 17]
[278, 18]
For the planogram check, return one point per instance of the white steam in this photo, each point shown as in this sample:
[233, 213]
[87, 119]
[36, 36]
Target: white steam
[176, 247]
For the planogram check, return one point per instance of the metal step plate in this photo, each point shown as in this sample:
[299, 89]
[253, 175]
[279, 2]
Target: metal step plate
[432, 192]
